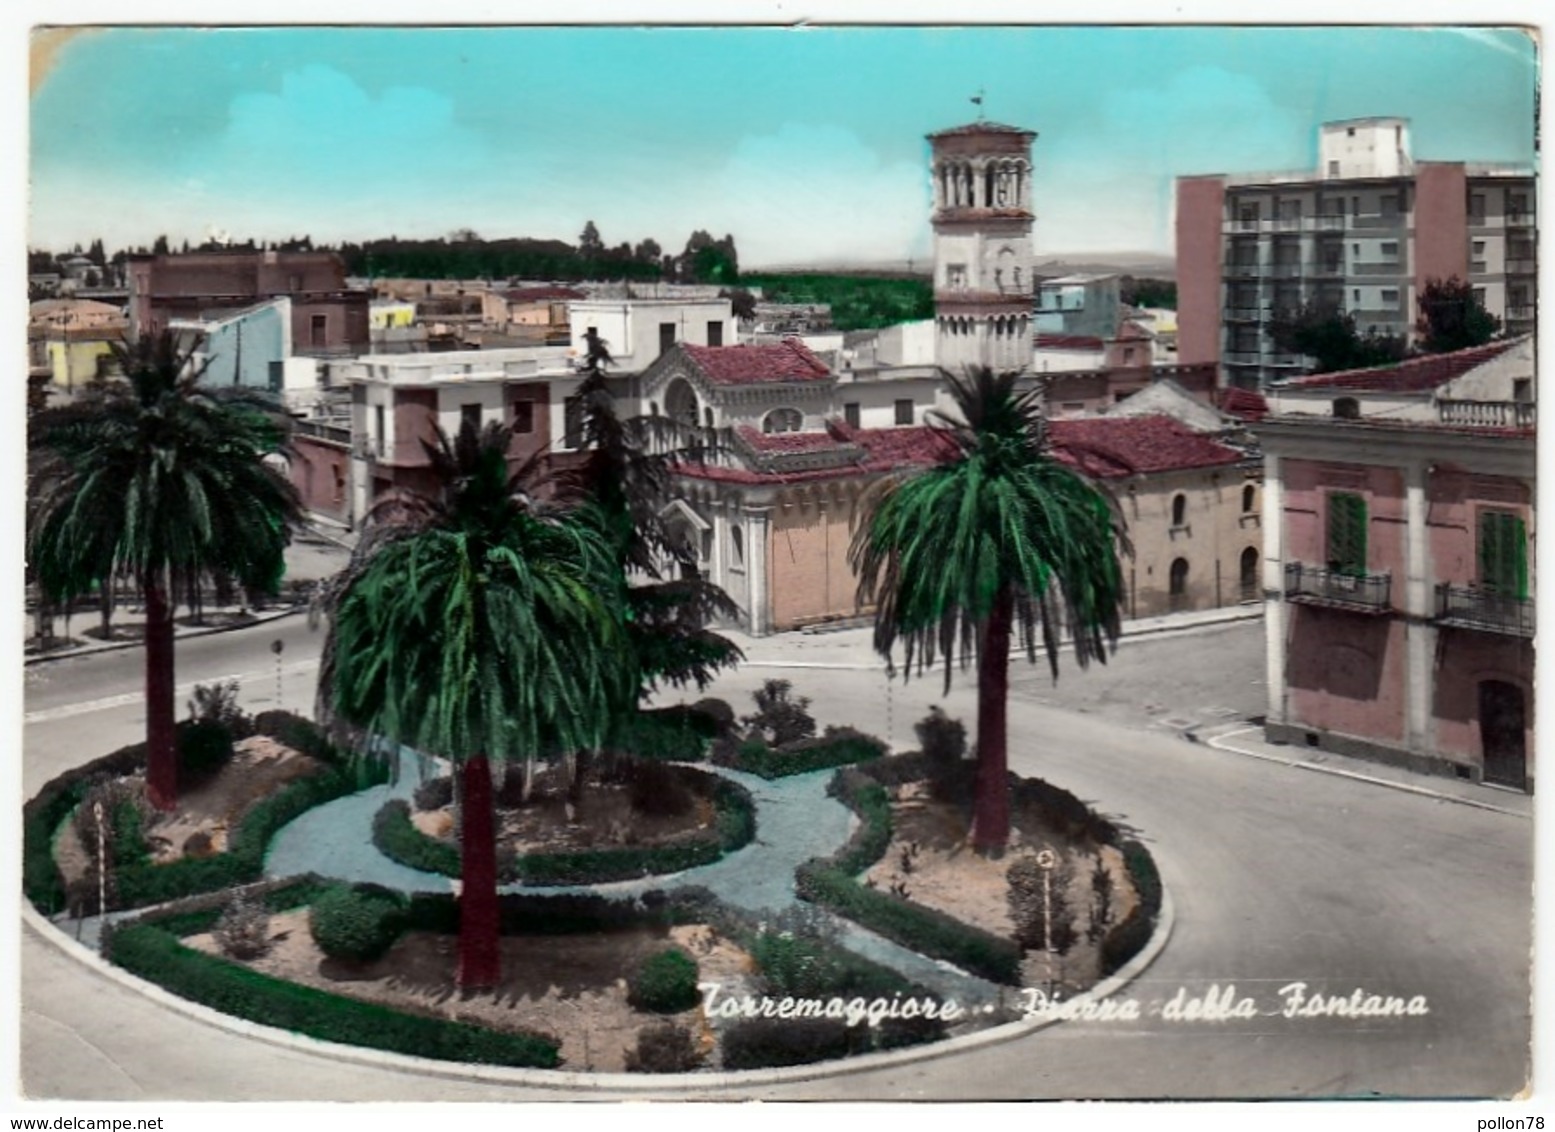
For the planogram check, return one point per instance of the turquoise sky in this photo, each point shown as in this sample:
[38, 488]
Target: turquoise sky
[805, 144]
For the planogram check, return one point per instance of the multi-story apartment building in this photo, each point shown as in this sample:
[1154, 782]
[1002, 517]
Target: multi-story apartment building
[1364, 231]
[1398, 562]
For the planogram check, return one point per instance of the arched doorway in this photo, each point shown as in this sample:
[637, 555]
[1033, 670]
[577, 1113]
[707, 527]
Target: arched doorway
[1249, 574]
[1178, 597]
[1503, 722]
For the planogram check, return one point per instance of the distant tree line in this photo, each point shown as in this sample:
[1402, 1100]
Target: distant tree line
[1161, 293]
[858, 302]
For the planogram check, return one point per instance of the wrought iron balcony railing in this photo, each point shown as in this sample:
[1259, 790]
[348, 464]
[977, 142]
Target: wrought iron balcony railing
[1478, 607]
[1338, 589]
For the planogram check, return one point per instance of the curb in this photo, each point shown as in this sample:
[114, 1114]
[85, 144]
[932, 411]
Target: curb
[628, 1084]
[120, 646]
[1219, 743]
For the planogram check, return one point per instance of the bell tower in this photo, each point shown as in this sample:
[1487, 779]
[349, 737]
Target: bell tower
[983, 256]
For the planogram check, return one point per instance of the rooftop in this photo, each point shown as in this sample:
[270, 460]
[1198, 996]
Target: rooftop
[974, 128]
[786, 361]
[1414, 375]
[1243, 403]
[1111, 447]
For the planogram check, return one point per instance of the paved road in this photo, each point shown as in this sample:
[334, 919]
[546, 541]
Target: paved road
[1279, 876]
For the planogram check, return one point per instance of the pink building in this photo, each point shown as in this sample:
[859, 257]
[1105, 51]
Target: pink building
[1398, 551]
[1363, 232]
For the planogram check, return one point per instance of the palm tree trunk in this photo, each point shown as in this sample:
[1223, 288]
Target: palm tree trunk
[991, 815]
[480, 957]
[161, 752]
[105, 595]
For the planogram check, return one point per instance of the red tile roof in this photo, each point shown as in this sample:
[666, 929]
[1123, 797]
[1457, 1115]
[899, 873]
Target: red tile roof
[541, 294]
[786, 441]
[1131, 331]
[1414, 375]
[1124, 446]
[788, 360]
[1244, 403]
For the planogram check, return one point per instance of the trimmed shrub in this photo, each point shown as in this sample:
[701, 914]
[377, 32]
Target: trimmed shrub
[218, 703]
[243, 932]
[656, 789]
[1030, 904]
[952, 776]
[666, 983]
[204, 747]
[150, 951]
[397, 838]
[762, 1043]
[357, 924]
[780, 718]
[664, 1047]
[435, 793]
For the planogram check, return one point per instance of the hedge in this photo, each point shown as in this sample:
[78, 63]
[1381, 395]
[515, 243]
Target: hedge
[148, 950]
[678, 733]
[397, 838]
[830, 882]
[840, 746]
[568, 913]
[1128, 937]
[243, 861]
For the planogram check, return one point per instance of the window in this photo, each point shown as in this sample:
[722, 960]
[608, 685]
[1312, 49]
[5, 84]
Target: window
[572, 423]
[1388, 249]
[1346, 533]
[707, 415]
[1477, 206]
[783, 420]
[1479, 295]
[1516, 206]
[715, 333]
[1503, 554]
[1249, 497]
[666, 336]
[1356, 294]
[1389, 298]
[736, 547]
[1387, 204]
[850, 413]
[955, 276]
[318, 330]
[379, 432]
[1249, 573]
[1522, 389]
[1179, 509]
[470, 415]
[1479, 249]
[1333, 168]
[523, 416]
[904, 411]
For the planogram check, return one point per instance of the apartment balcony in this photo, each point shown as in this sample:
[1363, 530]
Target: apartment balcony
[1287, 270]
[1396, 221]
[1519, 220]
[1288, 361]
[1329, 223]
[1244, 358]
[1335, 589]
[1244, 270]
[1384, 267]
[1477, 607]
[1322, 270]
[335, 430]
[1522, 267]
[1287, 224]
[1522, 313]
[1244, 314]
[1487, 414]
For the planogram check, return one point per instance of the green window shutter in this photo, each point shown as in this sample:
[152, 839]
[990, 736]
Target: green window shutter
[1503, 554]
[1347, 533]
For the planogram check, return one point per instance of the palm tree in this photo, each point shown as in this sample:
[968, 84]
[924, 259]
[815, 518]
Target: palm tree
[1003, 536]
[164, 481]
[629, 474]
[478, 624]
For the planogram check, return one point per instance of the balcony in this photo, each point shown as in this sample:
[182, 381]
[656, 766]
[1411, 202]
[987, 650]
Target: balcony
[1474, 607]
[1519, 220]
[1381, 267]
[1243, 270]
[1328, 270]
[1487, 414]
[1330, 223]
[1287, 360]
[1288, 270]
[1316, 585]
[1243, 314]
[1394, 221]
[1521, 313]
[1244, 357]
[337, 429]
[1522, 267]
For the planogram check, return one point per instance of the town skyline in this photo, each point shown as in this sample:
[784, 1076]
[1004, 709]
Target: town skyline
[777, 136]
